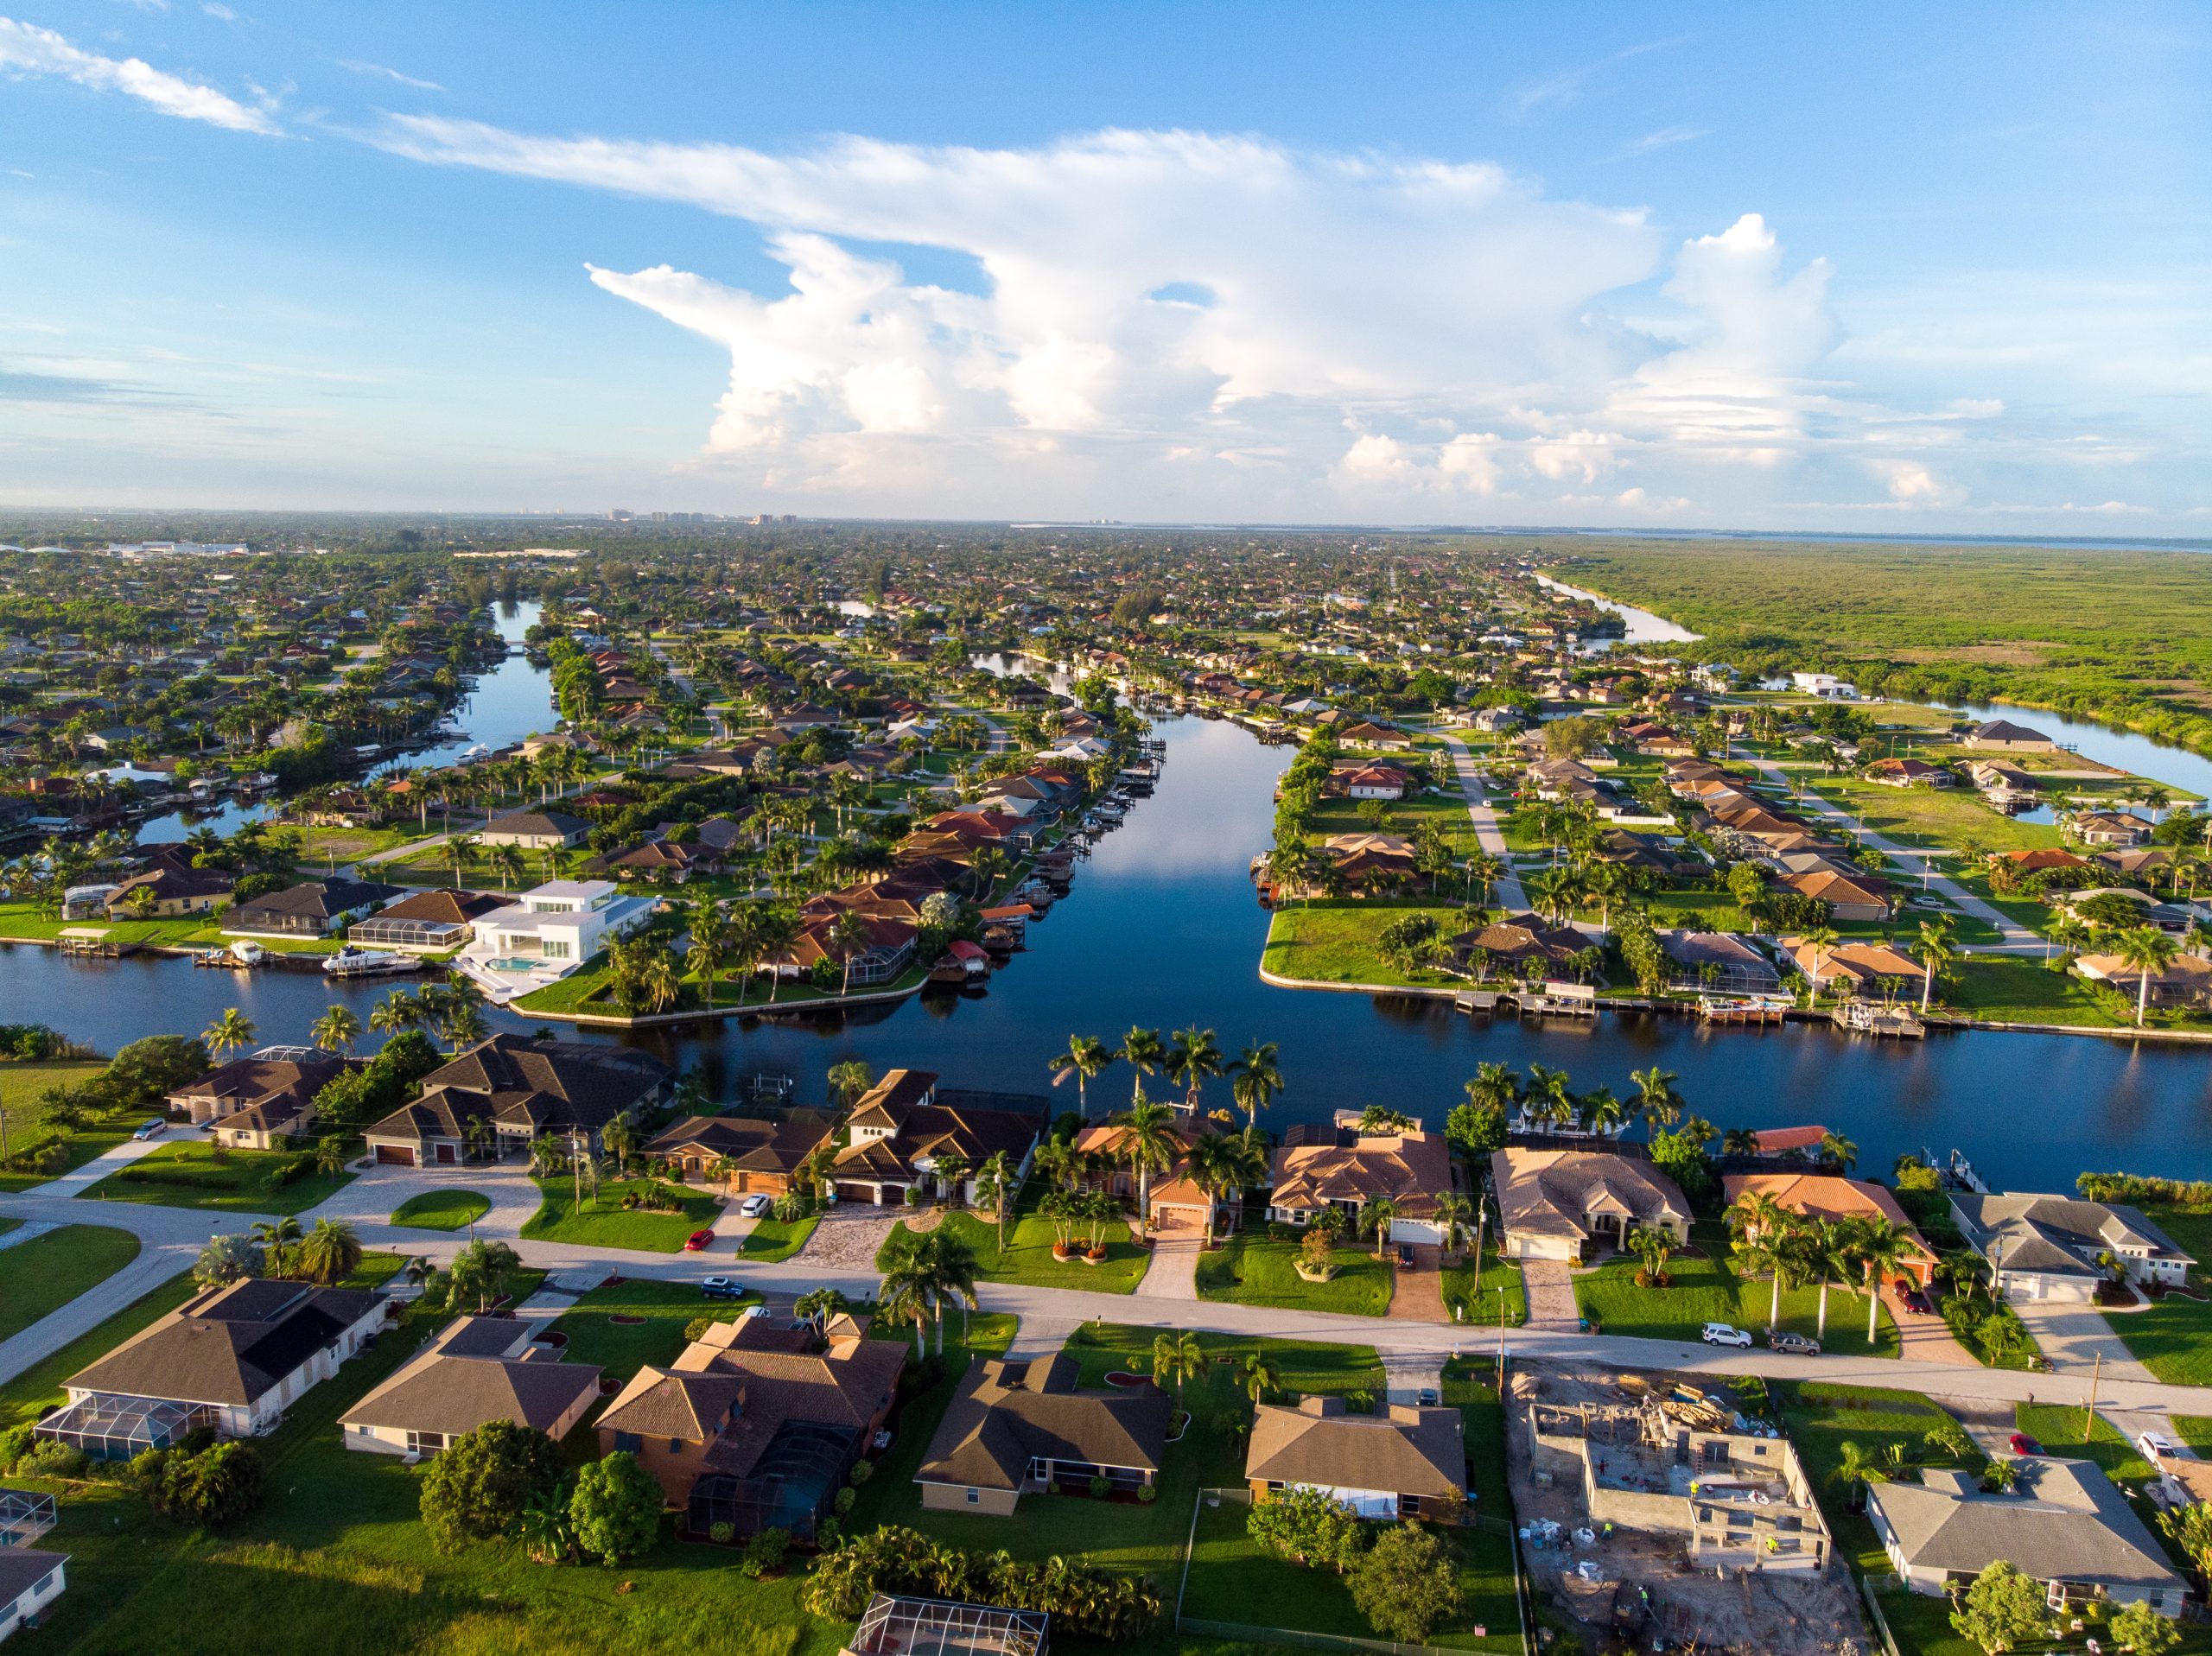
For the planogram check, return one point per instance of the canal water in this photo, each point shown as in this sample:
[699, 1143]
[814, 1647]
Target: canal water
[1163, 929]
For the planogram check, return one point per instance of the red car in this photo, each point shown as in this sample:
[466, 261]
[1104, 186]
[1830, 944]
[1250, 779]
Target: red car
[2024, 1444]
[698, 1242]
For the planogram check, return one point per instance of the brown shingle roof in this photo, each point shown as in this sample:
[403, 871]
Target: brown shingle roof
[1008, 1413]
[1407, 1451]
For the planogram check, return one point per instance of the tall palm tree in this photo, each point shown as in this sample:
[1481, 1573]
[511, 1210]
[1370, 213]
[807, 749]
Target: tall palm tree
[1453, 1211]
[1551, 1095]
[229, 1033]
[330, 1253]
[1838, 1149]
[1936, 951]
[1822, 939]
[2145, 951]
[1881, 1247]
[1149, 1145]
[1178, 1357]
[1495, 1085]
[1086, 1058]
[1192, 1057]
[1376, 1214]
[1655, 1097]
[508, 859]
[1602, 1113]
[336, 1030]
[995, 1186]
[1828, 1249]
[396, 1011]
[464, 1025]
[1261, 1376]
[1216, 1167]
[848, 939]
[1255, 1078]
[901, 1298]
[277, 1236]
[1143, 1051]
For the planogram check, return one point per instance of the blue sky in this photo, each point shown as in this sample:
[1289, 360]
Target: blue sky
[1887, 268]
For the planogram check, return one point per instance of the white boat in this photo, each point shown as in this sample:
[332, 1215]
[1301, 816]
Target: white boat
[351, 962]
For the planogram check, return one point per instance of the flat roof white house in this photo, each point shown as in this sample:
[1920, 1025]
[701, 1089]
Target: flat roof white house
[547, 933]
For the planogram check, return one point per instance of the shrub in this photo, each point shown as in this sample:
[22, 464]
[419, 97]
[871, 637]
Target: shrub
[828, 1533]
[615, 1507]
[14, 1442]
[1101, 1486]
[1306, 1525]
[722, 1532]
[1147, 1493]
[764, 1553]
[215, 1487]
[844, 1499]
[479, 1486]
[49, 1457]
[862, 1472]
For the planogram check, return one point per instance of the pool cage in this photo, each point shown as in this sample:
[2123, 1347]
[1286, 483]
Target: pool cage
[432, 935]
[25, 1517]
[790, 1487]
[111, 1428]
[936, 1626]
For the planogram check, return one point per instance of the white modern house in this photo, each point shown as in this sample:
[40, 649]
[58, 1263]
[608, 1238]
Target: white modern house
[547, 933]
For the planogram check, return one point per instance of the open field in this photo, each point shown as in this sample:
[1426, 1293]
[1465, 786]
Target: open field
[46, 1272]
[1334, 940]
[22, 1081]
[200, 1174]
[1252, 1269]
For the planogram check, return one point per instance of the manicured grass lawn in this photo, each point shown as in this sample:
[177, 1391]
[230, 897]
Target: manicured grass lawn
[79, 1148]
[1480, 1297]
[22, 1081]
[1932, 816]
[1334, 941]
[773, 1241]
[1707, 1289]
[621, 1348]
[46, 1272]
[28, 1395]
[603, 1222]
[2057, 1427]
[2015, 989]
[1446, 809]
[1253, 1269]
[2174, 1336]
[187, 1175]
[1821, 1418]
[442, 1211]
[1028, 1254]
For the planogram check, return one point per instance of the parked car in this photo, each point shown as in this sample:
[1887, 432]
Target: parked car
[1795, 1345]
[755, 1207]
[153, 1129]
[881, 1441]
[1726, 1334]
[2155, 1443]
[698, 1242]
[1405, 1256]
[2021, 1443]
[723, 1288]
[1914, 1300]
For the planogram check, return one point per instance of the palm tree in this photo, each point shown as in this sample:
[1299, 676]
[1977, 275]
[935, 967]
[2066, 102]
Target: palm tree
[1218, 1165]
[1496, 1086]
[849, 938]
[1192, 1058]
[1178, 1357]
[1255, 1078]
[713, 945]
[1086, 1058]
[330, 1253]
[1879, 1248]
[1453, 1211]
[2144, 950]
[1936, 951]
[1261, 1376]
[1822, 939]
[396, 1011]
[1602, 1113]
[336, 1030]
[1551, 1095]
[1149, 1145]
[1652, 1248]
[330, 1155]
[508, 859]
[464, 1025]
[1376, 1214]
[995, 1182]
[902, 1300]
[1838, 1149]
[1143, 1051]
[458, 847]
[230, 1031]
[1855, 1466]
[275, 1236]
[1829, 1250]
[1655, 1097]
[818, 1305]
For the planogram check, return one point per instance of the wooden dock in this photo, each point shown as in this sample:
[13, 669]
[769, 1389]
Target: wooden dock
[1871, 1017]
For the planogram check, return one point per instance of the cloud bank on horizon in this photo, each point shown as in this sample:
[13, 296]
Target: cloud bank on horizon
[1166, 323]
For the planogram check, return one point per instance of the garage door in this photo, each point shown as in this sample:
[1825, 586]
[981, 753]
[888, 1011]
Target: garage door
[856, 1193]
[396, 1155]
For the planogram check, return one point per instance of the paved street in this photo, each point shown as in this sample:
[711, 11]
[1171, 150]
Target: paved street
[1507, 889]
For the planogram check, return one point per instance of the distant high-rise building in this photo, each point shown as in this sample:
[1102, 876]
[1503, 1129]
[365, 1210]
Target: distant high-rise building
[619, 514]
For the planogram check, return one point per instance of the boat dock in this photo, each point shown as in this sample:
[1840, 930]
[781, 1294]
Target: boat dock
[1870, 1018]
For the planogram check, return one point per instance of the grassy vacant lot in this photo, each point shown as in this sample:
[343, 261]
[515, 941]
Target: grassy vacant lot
[442, 1211]
[187, 1175]
[1821, 1418]
[46, 1272]
[1707, 1289]
[654, 1315]
[1932, 816]
[31, 1393]
[22, 1081]
[1334, 941]
[1448, 810]
[1253, 1269]
[2015, 989]
[1480, 1296]
[771, 1240]
[1028, 1254]
[2174, 1337]
[603, 1222]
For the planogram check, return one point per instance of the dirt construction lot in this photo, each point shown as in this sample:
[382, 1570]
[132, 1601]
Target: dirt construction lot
[1646, 1573]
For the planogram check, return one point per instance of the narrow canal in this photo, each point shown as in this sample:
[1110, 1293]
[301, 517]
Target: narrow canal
[1162, 930]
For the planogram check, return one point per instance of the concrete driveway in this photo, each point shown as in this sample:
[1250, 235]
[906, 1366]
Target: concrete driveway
[2075, 1338]
[1550, 1286]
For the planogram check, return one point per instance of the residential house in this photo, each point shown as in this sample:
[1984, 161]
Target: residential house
[166, 892]
[1718, 961]
[30, 1580]
[757, 1424]
[2063, 1524]
[543, 830]
[2051, 1247]
[1510, 942]
[905, 1126]
[1366, 733]
[314, 908]
[1562, 1204]
[1402, 1461]
[2003, 736]
[1849, 897]
[1862, 966]
[1177, 1203]
[746, 1155]
[1368, 782]
[475, 1370]
[547, 933]
[2185, 981]
[232, 1359]
[2109, 828]
[494, 1099]
[427, 923]
[1016, 1427]
[1910, 773]
[1832, 1199]
[1319, 1165]
[1366, 859]
[249, 1103]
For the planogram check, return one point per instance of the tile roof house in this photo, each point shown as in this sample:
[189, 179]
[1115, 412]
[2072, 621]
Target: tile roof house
[1403, 1463]
[2047, 1247]
[232, 1358]
[1319, 1167]
[1556, 1204]
[250, 1100]
[431, 922]
[1014, 1427]
[1512, 941]
[2063, 1524]
[2004, 736]
[497, 1097]
[1827, 1196]
[902, 1125]
[756, 1157]
[314, 908]
[535, 830]
[476, 1370]
[171, 891]
[755, 1424]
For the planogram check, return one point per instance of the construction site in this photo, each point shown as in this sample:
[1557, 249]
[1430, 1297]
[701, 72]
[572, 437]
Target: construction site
[1658, 1513]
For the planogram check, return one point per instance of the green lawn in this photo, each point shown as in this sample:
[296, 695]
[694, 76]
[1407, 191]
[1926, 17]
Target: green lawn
[81, 1147]
[1334, 940]
[2174, 1336]
[1932, 817]
[2057, 1427]
[46, 1272]
[1499, 1275]
[772, 1241]
[1707, 1288]
[1821, 1418]
[187, 1174]
[664, 1310]
[2015, 989]
[1027, 1257]
[38, 1387]
[442, 1211]
[22, 1080]
[603, 1222]
[1446, 809]
[1252, 1269]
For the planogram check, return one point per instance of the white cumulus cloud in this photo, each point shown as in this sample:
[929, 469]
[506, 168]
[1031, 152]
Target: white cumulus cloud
[27, 49]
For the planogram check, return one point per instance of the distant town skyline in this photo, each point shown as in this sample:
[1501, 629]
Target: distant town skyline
[1890, 272]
